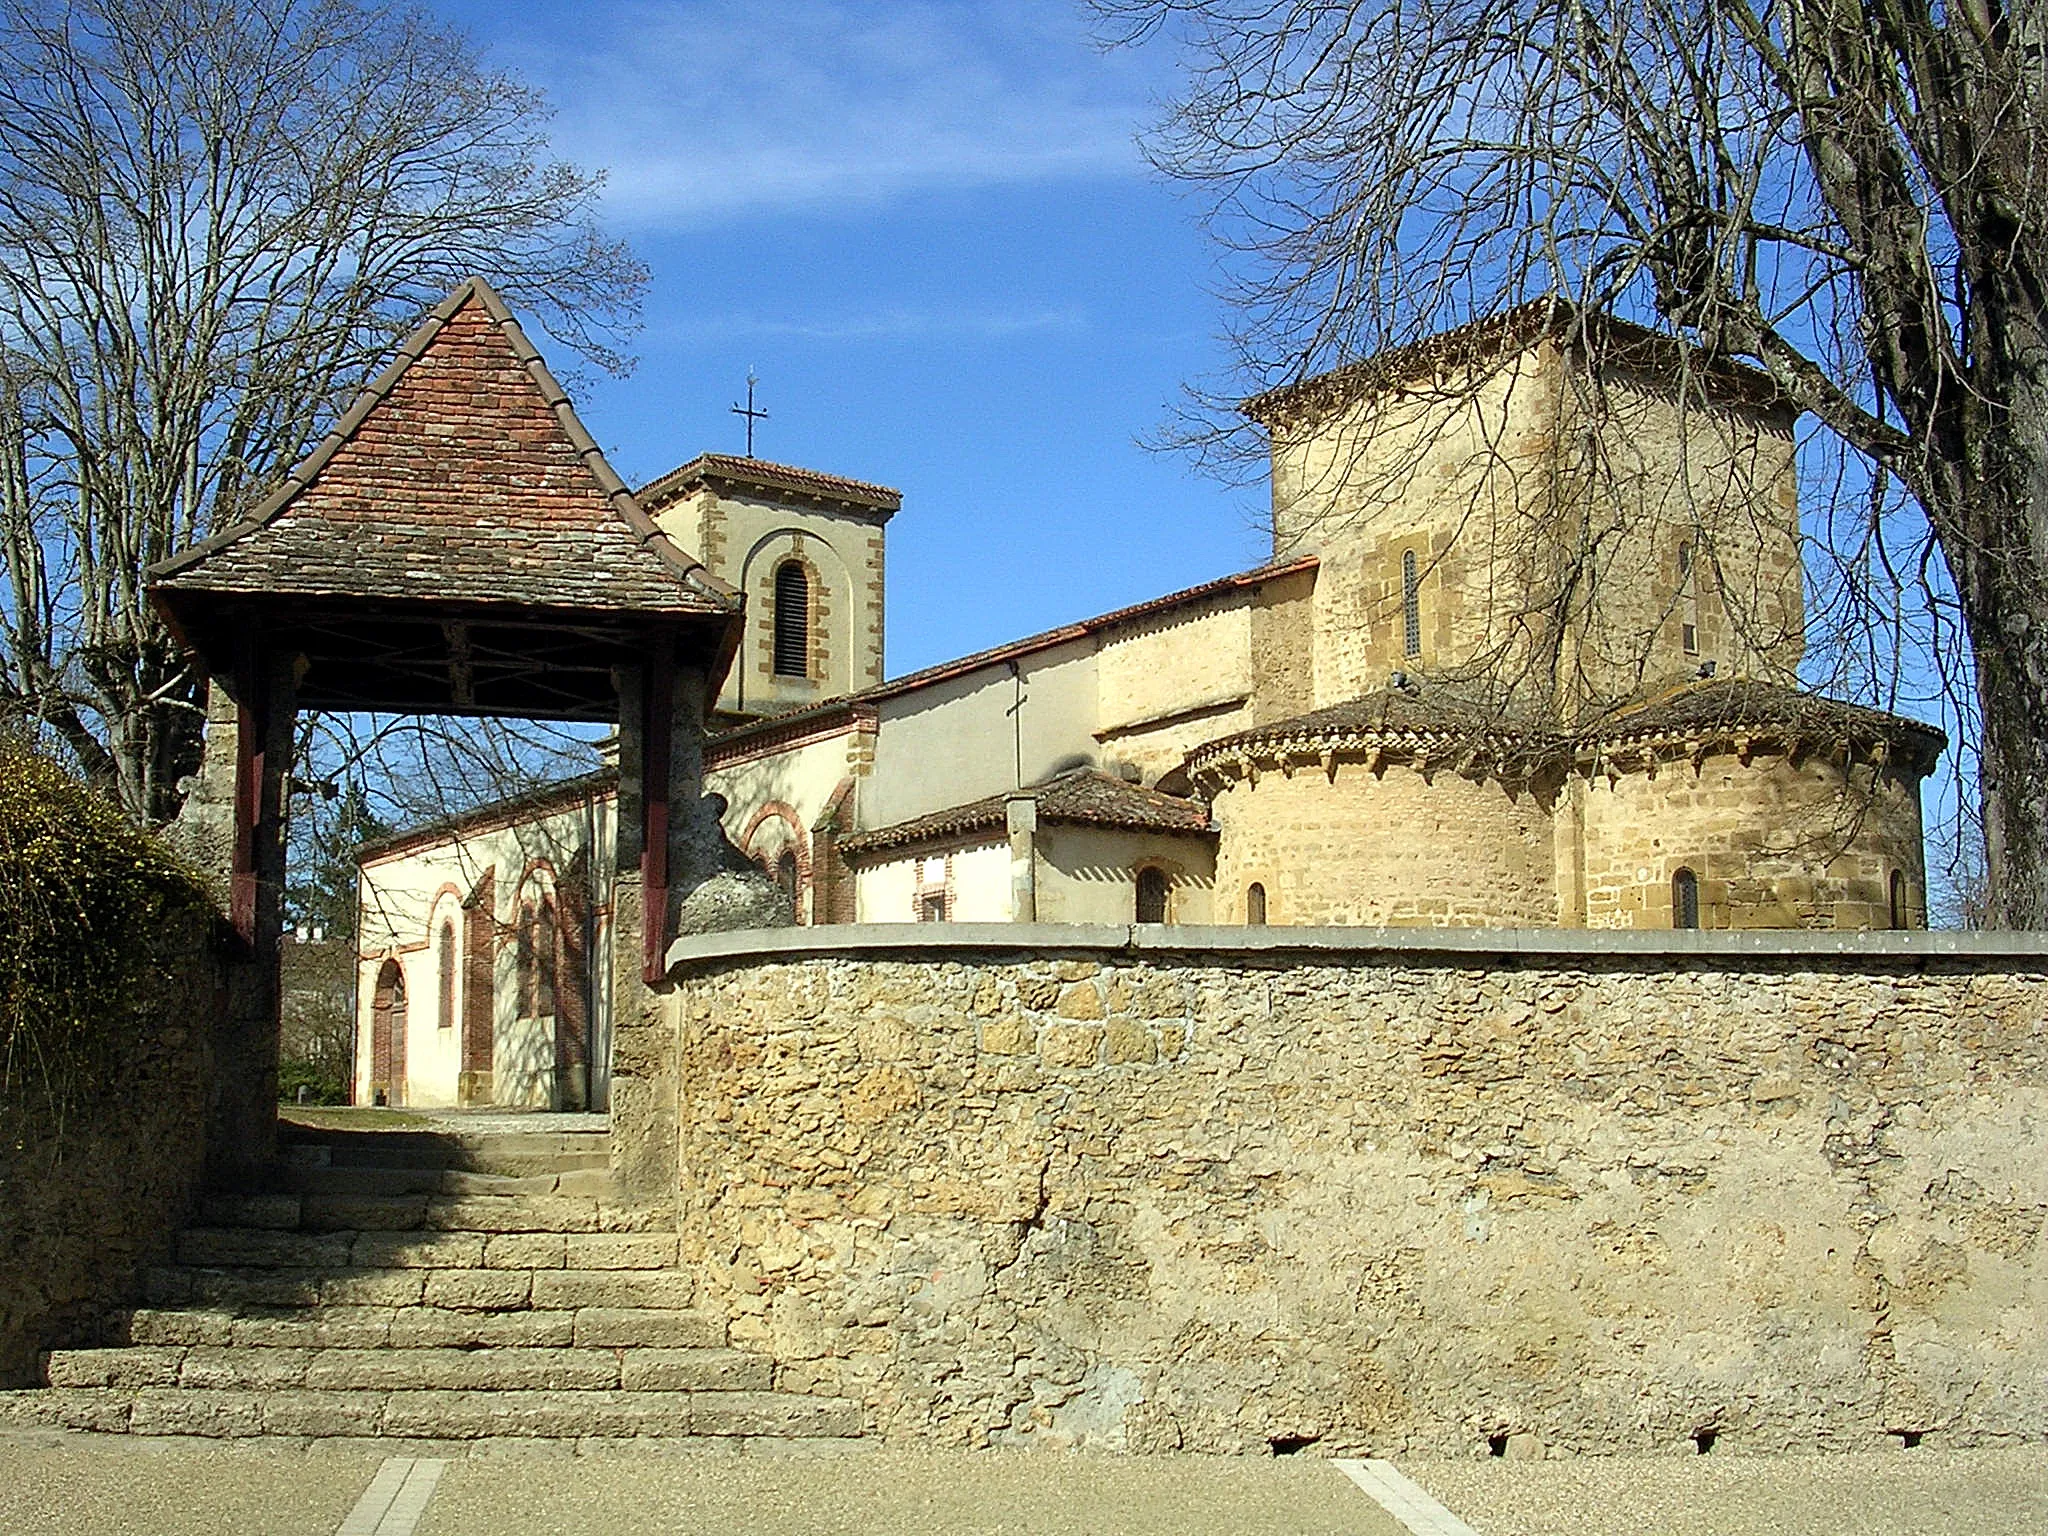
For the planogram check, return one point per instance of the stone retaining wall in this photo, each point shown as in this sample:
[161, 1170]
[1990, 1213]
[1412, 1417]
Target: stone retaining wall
[1211, 1190]
[86, 1203]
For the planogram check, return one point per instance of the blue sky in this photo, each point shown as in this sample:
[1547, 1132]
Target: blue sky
[929, 230]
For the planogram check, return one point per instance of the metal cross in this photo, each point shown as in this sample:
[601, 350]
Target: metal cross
[749, 412]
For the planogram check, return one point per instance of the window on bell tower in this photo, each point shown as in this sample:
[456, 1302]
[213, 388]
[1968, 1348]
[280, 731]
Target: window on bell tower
[792, 620]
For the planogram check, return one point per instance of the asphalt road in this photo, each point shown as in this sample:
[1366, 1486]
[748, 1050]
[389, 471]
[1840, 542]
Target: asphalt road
[118, 1486]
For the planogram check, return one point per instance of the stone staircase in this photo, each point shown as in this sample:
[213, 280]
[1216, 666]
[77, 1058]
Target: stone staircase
[424, 1285]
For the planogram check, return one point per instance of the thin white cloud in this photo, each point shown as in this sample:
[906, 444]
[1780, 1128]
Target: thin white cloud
[879, 325]
[712, 110]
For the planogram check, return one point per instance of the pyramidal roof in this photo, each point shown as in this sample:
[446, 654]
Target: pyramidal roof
[461, 475]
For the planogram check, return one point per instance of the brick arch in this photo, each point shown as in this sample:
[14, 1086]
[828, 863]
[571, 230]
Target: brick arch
[798, 842]
[830, 578]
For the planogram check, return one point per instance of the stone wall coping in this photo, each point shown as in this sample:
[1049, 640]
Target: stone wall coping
[941, 941]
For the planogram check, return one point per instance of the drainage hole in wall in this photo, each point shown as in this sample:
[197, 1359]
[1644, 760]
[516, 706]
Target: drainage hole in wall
[1704, 1440]
[1496, 1445]
[1291, 1445]
[1908, 1438]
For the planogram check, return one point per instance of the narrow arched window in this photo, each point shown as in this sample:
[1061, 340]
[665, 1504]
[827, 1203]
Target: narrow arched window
[1255, 905]
[1685, 899]
[1411, 605]
[547, 943]
[1151, 895]
[786, 874]
[792, 621]
[1688, 604]
[1898, 902]
[526, 968]
[444, 976]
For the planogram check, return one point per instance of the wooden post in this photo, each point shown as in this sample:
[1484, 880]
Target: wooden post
[657, 760]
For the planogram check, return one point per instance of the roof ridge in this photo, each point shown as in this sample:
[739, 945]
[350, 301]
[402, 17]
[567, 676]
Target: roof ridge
[686, 568]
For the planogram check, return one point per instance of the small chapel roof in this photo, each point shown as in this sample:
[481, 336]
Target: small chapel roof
[457, 541]
[1083, 795]
[462, 471]
[1732, 707]
[731, 471]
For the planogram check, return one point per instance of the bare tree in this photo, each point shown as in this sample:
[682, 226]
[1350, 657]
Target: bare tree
[215, 218]
[1847, 194]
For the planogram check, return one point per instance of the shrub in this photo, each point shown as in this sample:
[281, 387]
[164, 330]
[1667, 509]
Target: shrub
[90, 909]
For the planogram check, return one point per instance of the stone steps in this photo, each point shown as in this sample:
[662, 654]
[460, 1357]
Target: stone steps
[417, 1286]
[434, 1414]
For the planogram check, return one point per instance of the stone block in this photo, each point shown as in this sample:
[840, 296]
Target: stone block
[508, 1213]
[523, 1250]
[173, 1411]
[694, 1370]
[773, 1413]
[613, 1288]
[1070, 1045]
[1039, 992]
[1080, 1000]
[144, 1367]
[280, 1212]
[1127, 1043]
[253, 1247]
[343, 1327]
[620, 1250]
[95, 1409]
[631, 1327]
[567, 1370]
[477, 1290]
[374, 1287]
[322, 1415]
[460, 1415]
[445, 1328]
[148, 1326]
[1009, 1036]
[362, 1213]
[418, 1250]
[255, 1370]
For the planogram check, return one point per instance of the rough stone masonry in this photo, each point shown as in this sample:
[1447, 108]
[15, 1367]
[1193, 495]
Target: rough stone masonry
[1374, 1191]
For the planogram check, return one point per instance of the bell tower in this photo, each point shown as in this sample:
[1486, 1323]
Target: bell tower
[806, 549]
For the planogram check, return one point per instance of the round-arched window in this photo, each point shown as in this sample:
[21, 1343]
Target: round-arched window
[1255, 905]
[1151, 894]
[792, 620]
[1685, 899]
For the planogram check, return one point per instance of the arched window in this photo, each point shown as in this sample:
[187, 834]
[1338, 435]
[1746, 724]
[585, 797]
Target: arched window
[1898, 902]
[792, 620]
[1685, 899]
[539, 945]
[1255, 905]
[1151, 895]
[444, 975]
[1411, 605]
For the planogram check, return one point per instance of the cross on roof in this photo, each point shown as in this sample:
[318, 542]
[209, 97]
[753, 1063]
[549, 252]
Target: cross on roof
[749, 412]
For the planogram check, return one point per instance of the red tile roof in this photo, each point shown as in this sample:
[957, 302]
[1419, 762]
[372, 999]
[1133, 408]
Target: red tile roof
[759, 474]
[461, 474]
[1080, 795]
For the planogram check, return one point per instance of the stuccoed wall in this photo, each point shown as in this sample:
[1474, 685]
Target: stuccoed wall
[1390, 1192]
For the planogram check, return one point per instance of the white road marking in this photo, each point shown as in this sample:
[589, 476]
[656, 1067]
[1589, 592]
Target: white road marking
[396, 1498]
[1404, 1500]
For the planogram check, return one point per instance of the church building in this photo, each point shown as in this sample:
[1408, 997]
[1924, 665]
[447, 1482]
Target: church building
[1526, 653]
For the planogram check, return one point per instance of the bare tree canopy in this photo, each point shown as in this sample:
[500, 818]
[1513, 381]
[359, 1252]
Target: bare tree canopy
[216, 216]
[1850, 196]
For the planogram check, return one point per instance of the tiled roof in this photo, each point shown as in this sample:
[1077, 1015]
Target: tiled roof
[1699, 713]
[527, 805]
[461, 474]
[1433, 713]
[1613, 339]
[731, 469]
[1080, 795]
[1746, 706]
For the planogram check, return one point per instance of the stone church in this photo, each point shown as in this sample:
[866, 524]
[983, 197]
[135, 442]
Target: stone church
[1526, 654]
